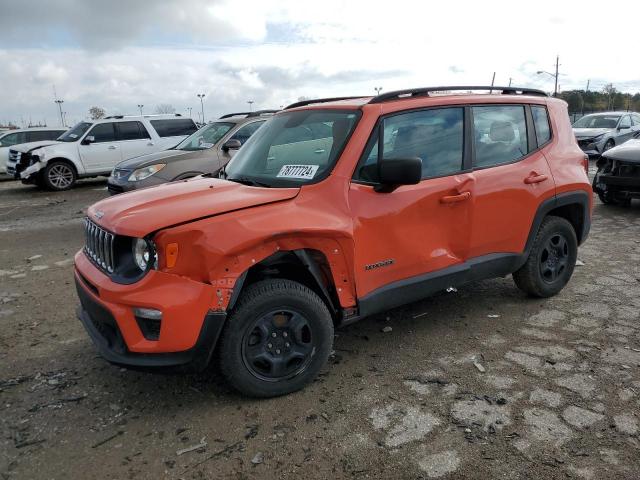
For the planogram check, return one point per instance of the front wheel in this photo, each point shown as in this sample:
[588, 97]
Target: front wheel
[609, 145]
[59, 176]
[551, 260]
[276, 340]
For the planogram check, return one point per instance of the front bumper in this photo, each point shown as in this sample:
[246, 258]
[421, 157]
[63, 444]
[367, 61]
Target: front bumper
[621, 186]
[122, 184]
[188, 332]
[591, 148]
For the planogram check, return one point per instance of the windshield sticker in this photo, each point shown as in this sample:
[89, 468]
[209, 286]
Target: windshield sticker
[298, 171]
[205, 145]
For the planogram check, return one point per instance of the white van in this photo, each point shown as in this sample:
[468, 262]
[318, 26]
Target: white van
[90, 149]
[9, 138]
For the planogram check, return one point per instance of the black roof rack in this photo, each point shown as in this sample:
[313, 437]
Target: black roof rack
[302, 103]
[257, 113]
[424, 92]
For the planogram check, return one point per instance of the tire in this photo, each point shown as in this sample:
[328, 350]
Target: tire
[276, 340]
[609, 145]
[551, 260]
[59, 175]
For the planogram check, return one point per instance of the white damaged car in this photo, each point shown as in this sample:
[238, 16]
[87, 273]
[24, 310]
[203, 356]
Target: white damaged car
[93, 148]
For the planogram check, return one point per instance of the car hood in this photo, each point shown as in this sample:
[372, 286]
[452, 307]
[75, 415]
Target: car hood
[144, 211]
[628, 152]
[28, 147]
[590, 132]
[165, 156]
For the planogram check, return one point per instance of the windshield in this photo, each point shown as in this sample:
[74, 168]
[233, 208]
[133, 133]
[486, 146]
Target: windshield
[75, 133]
[206, 137]
[293, 148]
[597, 121]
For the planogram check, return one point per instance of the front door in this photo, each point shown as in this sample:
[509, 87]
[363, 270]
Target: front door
[103, 153]
[415, 229]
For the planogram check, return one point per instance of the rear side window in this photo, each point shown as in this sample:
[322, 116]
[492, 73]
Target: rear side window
[541, 122]
[243, 133]
[103, 132]
[44, 135]
[500, 133]
[131, 131]
[174, 127]
[435, 136]
[13, 139]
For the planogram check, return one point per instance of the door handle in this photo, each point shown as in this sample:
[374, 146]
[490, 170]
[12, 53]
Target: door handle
[150, 144]
[320, 150]
[112, 147]
[461, 197]
[535, 178]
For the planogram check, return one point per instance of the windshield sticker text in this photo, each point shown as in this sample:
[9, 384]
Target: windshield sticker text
[298, 171]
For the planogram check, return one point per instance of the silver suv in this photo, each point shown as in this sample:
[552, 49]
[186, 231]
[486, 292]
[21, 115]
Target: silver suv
[598, 132]
[206, 151]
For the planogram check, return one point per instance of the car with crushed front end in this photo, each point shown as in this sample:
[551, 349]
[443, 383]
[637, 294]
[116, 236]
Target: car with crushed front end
[598, 132]
[206, 151]
[334, 210]
[617, 180]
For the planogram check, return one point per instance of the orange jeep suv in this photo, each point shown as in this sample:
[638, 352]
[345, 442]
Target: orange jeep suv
[336, 209]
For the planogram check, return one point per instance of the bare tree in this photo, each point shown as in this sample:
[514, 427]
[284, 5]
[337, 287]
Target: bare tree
[165, 108]
[96, 113]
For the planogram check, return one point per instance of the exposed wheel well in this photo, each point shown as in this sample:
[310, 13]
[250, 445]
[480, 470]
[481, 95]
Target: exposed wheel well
[574, 214]
[308, 267]
[63, 160]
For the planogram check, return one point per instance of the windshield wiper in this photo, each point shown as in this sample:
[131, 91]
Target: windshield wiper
[248, 181]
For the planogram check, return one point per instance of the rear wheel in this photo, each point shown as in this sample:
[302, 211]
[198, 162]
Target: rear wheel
[551, 261]
[59, 175]
[276, 340]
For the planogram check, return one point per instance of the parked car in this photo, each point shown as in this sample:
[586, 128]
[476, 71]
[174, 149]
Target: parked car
[333, 211]
[617, 180]
[93, 148]
[206, 151]
[598, 132]
[24, 135]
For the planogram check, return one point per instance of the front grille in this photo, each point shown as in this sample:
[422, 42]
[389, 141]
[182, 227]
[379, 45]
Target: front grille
[99, 246]
[14, 156]
[114, 189]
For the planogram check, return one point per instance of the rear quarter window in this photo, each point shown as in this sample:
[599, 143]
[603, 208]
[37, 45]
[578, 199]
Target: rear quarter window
[541, 123]
[174, 127]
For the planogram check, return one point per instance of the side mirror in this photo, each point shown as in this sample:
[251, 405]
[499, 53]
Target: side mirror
[232, 144]
[88, 140]
[394, 172]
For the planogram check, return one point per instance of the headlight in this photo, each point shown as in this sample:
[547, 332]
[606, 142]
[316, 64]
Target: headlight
[40, 155]
[145, 172]
[143, 254]
[598, 138]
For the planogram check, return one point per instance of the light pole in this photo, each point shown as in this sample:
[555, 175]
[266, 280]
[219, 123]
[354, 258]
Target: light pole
[189, 108]
[140, 107]
[250, 102]
[201, 97]
[378, 90]
[60, 102]
[554, 75]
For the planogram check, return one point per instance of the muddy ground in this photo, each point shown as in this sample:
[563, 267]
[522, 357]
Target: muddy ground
[559, 396]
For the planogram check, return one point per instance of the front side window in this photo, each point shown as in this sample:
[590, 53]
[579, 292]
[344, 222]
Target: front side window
[293, 148]
[500, 133]
[246, 131]
[103, 132]
[74, 134]
[131, 131]
[174, 127]
[206, 137]
[541, 123]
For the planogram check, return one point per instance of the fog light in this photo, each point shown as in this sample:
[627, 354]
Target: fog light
[149, 320]
[148, 313]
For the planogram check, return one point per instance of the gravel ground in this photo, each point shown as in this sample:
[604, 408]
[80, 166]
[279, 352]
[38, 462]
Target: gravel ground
[478, 383]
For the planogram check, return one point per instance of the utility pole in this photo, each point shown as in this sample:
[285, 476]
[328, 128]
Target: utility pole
[201, 97]
[250, 102]
[555, 91]
[492, 81]
[510, 79]
[60, 102]
[140, 107]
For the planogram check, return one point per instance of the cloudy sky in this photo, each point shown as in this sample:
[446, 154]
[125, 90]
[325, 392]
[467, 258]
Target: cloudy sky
[117, 54]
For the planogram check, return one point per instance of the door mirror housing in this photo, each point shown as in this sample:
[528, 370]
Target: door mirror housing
[89, 139]
[232, 144]
[394, 172]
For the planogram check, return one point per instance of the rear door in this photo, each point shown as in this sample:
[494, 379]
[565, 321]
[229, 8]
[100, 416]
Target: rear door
[133, 139]
[103, 153]
[415, 229]
[511, 174]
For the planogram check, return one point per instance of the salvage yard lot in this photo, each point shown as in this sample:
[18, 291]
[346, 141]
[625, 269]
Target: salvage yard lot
[481, 382]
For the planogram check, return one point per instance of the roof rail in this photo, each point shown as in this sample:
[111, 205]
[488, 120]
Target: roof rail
[424, 92]
[256, 113]
[302, 103]
[150, 115]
